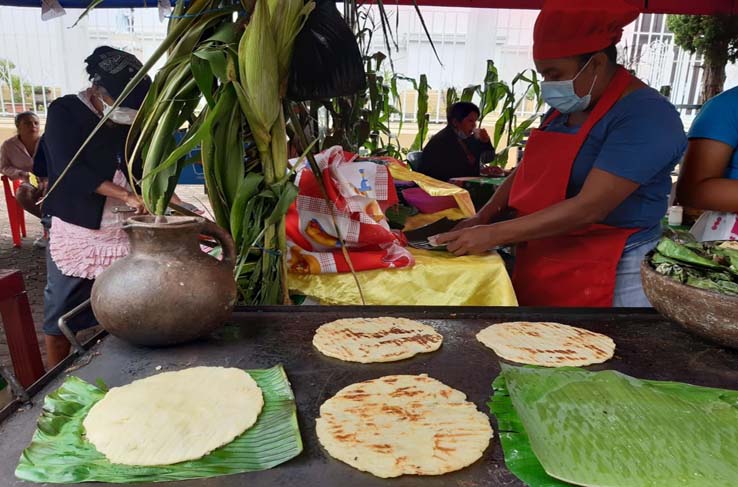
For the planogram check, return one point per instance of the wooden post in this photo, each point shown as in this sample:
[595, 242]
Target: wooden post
[20, 331]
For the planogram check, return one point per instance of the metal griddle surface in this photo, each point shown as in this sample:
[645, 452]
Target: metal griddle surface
[648, 347]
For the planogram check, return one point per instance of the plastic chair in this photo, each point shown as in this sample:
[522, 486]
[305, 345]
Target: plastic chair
[15, 213]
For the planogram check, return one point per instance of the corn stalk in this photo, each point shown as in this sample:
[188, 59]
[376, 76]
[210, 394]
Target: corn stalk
[240, 73]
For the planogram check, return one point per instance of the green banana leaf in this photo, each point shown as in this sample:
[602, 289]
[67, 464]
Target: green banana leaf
[673, 250]
[59, 453]
[609, 429]
[519, 456]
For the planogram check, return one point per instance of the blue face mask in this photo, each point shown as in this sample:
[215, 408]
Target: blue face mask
[561, 95]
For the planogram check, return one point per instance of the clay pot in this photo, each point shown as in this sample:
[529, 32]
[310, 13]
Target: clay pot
[706, 313]
[167, 290]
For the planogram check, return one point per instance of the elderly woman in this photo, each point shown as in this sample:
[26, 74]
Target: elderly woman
[86, 234]
[16, 153]
[16, 161]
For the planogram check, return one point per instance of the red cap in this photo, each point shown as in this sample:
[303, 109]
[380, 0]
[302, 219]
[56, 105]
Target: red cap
[566, 28]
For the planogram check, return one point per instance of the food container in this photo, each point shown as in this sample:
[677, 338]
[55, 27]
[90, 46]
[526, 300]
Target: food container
[708, 314]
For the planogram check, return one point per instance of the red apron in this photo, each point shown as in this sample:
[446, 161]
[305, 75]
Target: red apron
[577, 269]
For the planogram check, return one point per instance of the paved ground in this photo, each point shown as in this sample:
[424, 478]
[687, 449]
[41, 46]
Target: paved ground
[31, 261]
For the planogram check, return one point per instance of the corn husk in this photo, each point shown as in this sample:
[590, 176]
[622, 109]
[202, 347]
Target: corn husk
[288, 17]
[258, 71]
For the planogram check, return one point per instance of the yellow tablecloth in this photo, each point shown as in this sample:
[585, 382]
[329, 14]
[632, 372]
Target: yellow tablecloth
[437, 278]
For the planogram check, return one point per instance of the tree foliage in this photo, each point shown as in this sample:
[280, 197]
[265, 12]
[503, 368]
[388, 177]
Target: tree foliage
[713, 37]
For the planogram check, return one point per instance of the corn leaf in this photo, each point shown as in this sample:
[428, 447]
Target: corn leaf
[216, 57]
[247, 189]
[203, 74]
[59, 453]
[287, 194]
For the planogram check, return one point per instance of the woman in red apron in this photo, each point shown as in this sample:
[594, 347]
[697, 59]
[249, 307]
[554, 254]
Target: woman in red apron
[593, 184]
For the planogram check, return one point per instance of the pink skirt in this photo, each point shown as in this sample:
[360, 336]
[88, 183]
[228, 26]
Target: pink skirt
[82, 252]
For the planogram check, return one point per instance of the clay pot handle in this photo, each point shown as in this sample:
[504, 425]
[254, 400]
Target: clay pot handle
[224, 239]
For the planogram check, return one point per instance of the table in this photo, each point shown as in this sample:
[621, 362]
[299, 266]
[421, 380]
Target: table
[437, 279]
[648, 347]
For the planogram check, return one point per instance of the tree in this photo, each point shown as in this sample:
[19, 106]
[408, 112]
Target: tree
[713, 37]
[12, 80]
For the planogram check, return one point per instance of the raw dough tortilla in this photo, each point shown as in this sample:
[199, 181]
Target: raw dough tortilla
[547, 344]
[369, 340]
[174, 416]
[403, 424]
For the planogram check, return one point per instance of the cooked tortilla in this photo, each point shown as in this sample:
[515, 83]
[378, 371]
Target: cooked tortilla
[175, 416]
[547, 344]
[403, 424]
[369, 340]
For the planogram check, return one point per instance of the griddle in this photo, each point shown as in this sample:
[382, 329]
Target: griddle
[648, 347]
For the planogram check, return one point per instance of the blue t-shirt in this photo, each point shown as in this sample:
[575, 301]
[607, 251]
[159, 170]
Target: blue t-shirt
[718, 120]
[640, 139]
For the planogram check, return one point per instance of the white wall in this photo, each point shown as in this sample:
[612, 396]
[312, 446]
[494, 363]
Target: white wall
[51, 53]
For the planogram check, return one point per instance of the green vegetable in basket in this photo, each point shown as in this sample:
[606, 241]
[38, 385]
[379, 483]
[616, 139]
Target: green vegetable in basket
[720, 286]
[682, 253]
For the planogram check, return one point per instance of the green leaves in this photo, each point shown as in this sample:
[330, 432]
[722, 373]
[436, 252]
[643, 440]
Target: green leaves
[59, 453]
[422, 116]
[606, 428]
[519, 456]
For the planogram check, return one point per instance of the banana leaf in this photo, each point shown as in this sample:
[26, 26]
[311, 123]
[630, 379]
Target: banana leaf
[673, 250]
[609, 429]
[519, 456]
[59, 453]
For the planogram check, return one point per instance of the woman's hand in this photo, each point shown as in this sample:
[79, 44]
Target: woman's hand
[475, 240]
[468, 223]
[136, 202]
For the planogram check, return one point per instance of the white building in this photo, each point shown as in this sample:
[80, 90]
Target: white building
[51, 54]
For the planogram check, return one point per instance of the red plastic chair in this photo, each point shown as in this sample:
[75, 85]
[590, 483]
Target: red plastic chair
[15, 212]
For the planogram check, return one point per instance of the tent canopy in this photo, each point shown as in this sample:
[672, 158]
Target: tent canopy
[703, 7]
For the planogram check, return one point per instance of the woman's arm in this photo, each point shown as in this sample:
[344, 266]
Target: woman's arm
[702, 182]
[8, 168]
[111, 190]
[601, 194]
[496, 206]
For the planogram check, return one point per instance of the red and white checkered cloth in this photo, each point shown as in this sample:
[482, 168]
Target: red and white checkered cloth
[359, 193]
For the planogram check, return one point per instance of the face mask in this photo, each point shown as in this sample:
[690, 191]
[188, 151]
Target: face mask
[121, 115]
[561, 95]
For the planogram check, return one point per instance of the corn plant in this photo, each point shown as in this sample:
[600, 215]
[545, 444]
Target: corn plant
[497, 96]
[225, 79]
[239, 71]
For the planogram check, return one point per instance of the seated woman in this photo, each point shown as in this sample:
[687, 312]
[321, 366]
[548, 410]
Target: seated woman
[458, 149]
[16, 153]
[16, 160]
[593, 185]
[709, 175]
